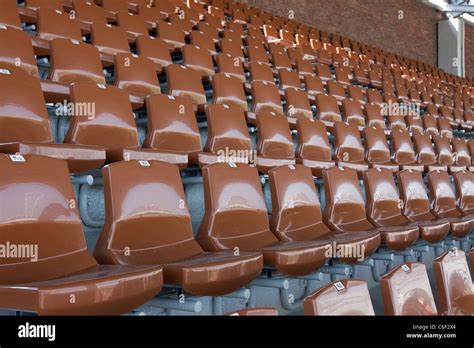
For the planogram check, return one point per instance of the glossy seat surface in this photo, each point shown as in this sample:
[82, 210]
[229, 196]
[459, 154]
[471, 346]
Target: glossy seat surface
[347, 297]
[45, 282]
[156, 230]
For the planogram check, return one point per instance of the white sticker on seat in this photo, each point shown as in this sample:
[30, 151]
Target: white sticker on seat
[405, 268]
[5, 72]
[339, 286]
[17, 158]
[144, 163]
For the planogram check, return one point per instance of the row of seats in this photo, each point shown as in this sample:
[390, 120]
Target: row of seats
[405, 290]
[111, 134]
[147, 223]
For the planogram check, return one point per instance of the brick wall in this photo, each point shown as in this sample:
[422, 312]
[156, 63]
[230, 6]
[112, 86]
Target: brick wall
[469, 49]
[375, 22]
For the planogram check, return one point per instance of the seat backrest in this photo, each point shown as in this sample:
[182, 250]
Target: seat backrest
[50, 4]
[17, 51]
[109, 38]
[313, 140]
[382, 198]
[146, 216]
[344, 200]
[403, 151]
[347, 143]
[413, 193]
[172, 125]
[406, 291]
[226, 129]
[353, 112]
[113, 5]
[464, 183]
[230, 65]
[75, 61]
[297, 104]
[266, 97]
[235, 212]
[274, 136]
[87, 11]
[9, 15]
[374, 115]
[154, 49]
[289, 79]
[424, 148]
[228, 89]
[346, 297]
[376, 146]
[39, 221]
[54, 24]
[136, 74]
[430, 125]
[260, 72]
[444, 127]
[132, 23]
[111, 123]
[461, 152]
[314, 85]
[296, 211]
[442, 147]
[453, 280]
[185, 82]
[23, 115]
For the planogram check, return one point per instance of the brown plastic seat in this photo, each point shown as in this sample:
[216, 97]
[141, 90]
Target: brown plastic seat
[360, 76]
[345, 297]
[406, 291]
[454, 284]
[443, 204]
[88, 12]
[132, 24]
[136, 74]
[172, 128]
[344, 213]
[250, 312]
[297, 105]
[374, 115]
[444, 154]
[336, 89]
[444, 126]
[280, 60]
[384, 210]
[260, 72]
[377, 152]
[348, 148]
[161, 216]
[258, 53]
[403, 152]
[314, 149]
[185, 82]
[265, 96]
[198, 59]
[289, 79]
[75, 61]
[323, 72]
[50, 4]
[150, 14]
[154, 49]
[109, 39]
[462, 159]
[234, 48]
[396, 122]
[230, 65]
[416, 207]
[327, 109]
[236, 218]
[425, 152]
[170, 33]
[17, 51]
[430, 124]
[26, 129]
[415, 124]
[352, 111]
[228, 89]
[113, 5]
[9, 16]
[63, 269]
[314, 85]
[357, 93]
[304, 67]
[112, 127]
[275, 145]
[203, 41]
[54, 24]
[228, 139]
[373, 96]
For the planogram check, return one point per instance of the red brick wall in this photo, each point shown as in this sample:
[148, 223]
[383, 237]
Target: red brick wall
[375, 22]
[469, 49]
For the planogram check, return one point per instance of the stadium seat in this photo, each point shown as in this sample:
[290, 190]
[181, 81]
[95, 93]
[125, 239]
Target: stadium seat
[63, 278]
[184, 262]
[403, 152]
[154, 49]
[265, 96]
[454, 283]
[17, 51]
[53, 24]
[346, 297]
[416, 207]
[185, 82]
[443, 203]
[136, 74]
[377, 152]
[406, 291]
[425, 153]
[26, 129]
[348, 148]
[109, 39]
[228, 89]
[230, 65]
[244, 225]
[199, 59]
[9, 16]
[327, 109]
[384, 210]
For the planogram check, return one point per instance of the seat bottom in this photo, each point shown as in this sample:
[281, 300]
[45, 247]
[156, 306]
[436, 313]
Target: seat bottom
[214, 273]
[433, 231]
[399, 237]
[356, 242]
[101, 290]
[297, 258]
